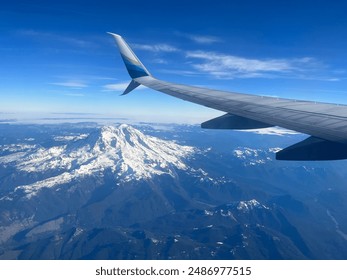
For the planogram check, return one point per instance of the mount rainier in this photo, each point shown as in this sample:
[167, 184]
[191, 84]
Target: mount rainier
[124, 150]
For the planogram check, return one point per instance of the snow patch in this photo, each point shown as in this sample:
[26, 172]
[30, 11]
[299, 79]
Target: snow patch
[154, 241]
[337, 226]
[246, 206]
[70, 137]
[251, 156]
[16, 147]
[208, 213]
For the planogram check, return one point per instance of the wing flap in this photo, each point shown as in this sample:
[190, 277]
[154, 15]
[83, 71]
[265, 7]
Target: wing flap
[313, 148]
[229, 121]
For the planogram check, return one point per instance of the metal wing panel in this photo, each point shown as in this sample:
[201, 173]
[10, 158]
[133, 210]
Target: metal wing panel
[323, 120]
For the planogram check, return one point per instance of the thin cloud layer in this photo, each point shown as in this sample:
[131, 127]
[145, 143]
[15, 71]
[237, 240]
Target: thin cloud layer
[118, 86]
[54, 37]
[225, 66]
[204, 39]
[200, 39]
[71, 84]
[229, 66]
[155, 48]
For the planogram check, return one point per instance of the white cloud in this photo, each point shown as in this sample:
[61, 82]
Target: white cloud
[203, 39]
[160, 61]
[118, 87]
[71, 84]
[55, 37]
[155, 47]
[279, 131]
[216, 61]
[229, 66]
[74, 94]
[200, 39]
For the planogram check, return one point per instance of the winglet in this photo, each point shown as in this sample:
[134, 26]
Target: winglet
[134, 66]
[133, 84]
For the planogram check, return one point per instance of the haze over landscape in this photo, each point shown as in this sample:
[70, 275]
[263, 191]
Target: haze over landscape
[85, 191]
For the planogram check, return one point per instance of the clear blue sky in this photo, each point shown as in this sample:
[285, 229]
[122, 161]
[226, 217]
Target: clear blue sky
[57, 58]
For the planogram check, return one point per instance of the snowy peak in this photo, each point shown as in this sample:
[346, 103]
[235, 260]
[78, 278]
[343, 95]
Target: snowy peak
[124, 150]
[110, 137]
[246, 206]
[142, 154]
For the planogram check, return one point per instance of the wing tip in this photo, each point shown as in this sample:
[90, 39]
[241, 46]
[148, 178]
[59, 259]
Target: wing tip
[114, 34]
[134, 66]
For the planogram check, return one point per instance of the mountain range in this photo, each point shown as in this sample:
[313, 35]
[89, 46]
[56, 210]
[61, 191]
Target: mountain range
[84, 191]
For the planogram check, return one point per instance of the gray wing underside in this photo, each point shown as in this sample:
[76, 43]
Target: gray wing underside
[327, 123]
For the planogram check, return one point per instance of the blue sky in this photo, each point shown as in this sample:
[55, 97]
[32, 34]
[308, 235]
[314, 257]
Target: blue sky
[57, 60]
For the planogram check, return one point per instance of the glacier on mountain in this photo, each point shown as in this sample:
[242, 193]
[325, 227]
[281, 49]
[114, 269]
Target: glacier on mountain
[124, 150]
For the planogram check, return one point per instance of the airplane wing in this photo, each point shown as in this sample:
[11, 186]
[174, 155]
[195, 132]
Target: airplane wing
[326, 123]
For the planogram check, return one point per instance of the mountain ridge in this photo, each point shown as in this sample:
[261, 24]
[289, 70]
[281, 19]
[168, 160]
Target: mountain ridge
[218, 194]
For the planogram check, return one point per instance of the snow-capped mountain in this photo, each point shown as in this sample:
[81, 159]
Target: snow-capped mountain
[124, 150]
[83, 191]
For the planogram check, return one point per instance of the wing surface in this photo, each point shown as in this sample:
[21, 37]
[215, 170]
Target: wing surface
[326, 122]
